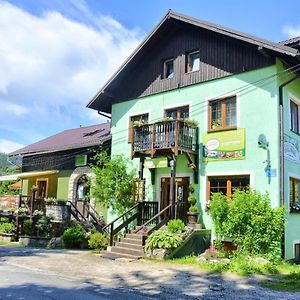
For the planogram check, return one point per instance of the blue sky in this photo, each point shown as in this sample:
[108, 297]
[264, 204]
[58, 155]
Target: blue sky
[58, 53]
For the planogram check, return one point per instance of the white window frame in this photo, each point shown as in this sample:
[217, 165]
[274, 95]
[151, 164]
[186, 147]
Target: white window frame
[219, 97]
[293, 98]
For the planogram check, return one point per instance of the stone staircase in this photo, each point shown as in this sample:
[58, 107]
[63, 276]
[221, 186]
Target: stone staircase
[130, 246]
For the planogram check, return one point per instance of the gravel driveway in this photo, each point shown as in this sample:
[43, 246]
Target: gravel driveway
[28, 273]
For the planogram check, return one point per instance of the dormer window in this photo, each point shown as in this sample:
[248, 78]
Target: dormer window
[193, 61]
[169, 68]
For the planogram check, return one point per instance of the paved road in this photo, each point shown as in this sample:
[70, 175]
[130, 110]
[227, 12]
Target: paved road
[28, 273]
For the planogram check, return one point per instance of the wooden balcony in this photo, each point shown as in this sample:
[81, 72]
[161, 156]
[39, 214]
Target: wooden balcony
[163, 138]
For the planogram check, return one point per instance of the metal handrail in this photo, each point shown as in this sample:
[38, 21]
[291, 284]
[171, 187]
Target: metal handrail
[153, 218]
[121, 216]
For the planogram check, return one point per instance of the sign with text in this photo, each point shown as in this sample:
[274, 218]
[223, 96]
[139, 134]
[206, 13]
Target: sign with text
[291, 149]
[161, 162]
[225, 145]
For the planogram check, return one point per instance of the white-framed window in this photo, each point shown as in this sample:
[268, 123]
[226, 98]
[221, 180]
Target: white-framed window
[168, 68]
[295, 115]
[193, 61]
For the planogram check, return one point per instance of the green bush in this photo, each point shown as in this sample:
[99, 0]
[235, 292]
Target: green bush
[43, 226]
[163, 240]
[28, 228]
[193, 208]
[7, 228]
[73, 236]
[250, 222]
[98, 241]
[192, 199]
[175, 226]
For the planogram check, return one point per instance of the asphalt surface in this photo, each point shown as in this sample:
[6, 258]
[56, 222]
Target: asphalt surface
[29, 273]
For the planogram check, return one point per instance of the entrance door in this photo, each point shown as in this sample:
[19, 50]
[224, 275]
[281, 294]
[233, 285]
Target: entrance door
[181, 195]
[41, 188]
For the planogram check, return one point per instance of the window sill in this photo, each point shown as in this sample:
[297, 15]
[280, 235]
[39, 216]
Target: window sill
[222, 129]
[294, 132]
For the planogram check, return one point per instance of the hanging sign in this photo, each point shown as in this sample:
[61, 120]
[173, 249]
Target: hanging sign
[161, 162]
[225, 145]
[291, 149]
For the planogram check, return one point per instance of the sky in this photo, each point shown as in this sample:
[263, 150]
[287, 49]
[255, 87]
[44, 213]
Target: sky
[56, 54]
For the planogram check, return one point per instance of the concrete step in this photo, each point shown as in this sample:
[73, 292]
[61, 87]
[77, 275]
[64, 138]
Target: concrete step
[129, 251]
[129, 245]
[115, 255]
[132, 241]
[134, 236]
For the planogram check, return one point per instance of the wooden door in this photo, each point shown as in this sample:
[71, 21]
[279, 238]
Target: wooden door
[181, 195]
[41, 188]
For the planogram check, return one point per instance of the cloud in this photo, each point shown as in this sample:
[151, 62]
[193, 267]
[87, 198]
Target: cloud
[52, 65]
[16, 109]
[8, 146]
[292, 31]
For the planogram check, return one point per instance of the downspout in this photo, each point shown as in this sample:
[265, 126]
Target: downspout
[281, 126]
[281, 129]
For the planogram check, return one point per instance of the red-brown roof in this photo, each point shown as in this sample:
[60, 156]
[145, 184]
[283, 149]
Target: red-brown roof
[69, 139]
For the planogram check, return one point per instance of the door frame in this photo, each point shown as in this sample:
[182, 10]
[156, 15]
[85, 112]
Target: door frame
[47, 184]
[159, 177]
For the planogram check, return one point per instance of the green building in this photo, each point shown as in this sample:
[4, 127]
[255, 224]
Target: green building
[222, 107]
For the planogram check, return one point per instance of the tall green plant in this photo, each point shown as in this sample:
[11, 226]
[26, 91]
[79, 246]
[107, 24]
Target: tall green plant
[249, 220]
[114, 183]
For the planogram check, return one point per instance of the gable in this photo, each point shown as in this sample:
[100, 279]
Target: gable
[223, 52]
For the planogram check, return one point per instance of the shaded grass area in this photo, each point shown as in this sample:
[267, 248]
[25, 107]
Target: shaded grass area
[15, 244]
[282, 276]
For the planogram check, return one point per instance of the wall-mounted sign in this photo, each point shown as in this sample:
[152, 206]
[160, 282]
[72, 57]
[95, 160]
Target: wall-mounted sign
[161, 162]
[271, 172]
[80, 160]
[291, 149]
[225, 145]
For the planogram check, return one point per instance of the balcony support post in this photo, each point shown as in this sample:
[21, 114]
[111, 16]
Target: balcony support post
[173, 186]
[141, 168]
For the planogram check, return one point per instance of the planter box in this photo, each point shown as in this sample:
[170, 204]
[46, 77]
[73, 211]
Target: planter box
[7, 237]
[34, 241]
[61, 213]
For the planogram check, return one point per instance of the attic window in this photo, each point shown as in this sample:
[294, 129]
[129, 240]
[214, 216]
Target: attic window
[193, 61]
[169, 68]
[93, 132]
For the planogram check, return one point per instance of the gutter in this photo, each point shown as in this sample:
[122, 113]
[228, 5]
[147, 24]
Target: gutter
[281, 129]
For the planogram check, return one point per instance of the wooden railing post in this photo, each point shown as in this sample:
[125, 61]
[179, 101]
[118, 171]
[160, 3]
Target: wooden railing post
[152, 140]
[18, 216]
[173, 187]
[139, 213]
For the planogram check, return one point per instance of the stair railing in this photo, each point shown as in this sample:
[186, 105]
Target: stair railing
[156, 219]
[111, 226]
[76, 213]
[94, 215]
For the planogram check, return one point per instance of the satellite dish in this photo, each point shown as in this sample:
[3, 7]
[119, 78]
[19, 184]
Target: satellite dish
[262, 141]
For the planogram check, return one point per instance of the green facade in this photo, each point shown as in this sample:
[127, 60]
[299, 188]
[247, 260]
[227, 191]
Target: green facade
[257, 113]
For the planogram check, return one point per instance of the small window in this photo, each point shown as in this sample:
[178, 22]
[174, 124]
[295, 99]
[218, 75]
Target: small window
[226, 185]
[222, 114]
[193, 61]
[169, 68]
[295, 112]
[294, 192]
[80, 160]
[140, 119]
[178, 113]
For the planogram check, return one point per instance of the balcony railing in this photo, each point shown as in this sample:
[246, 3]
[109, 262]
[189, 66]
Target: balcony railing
[174, 136]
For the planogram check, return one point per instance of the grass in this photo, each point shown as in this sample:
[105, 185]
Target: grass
[283, 276]
[15, 244]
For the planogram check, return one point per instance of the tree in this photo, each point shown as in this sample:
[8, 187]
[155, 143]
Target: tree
[114, 184]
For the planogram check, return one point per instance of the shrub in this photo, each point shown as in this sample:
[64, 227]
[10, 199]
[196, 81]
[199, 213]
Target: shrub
[175, 226]
[7, 228]
[43, 226]
[193, 208]
[73, 236]
[98, 241]
[163, 240]
[28, 228]
[192, 199]
[250, 222]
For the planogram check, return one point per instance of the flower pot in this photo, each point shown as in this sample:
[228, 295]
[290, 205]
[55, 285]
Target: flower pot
[192, 217]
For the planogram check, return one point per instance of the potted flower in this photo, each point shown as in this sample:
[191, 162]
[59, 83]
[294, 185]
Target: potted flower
[191, 123]
[216, 124]
[193, 210]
